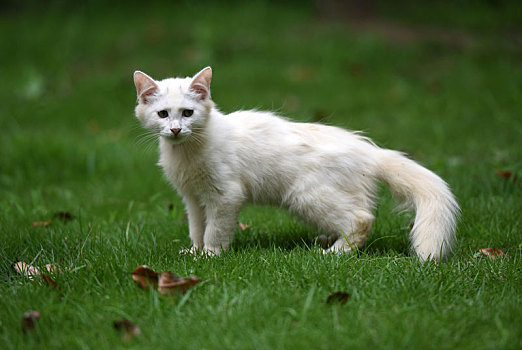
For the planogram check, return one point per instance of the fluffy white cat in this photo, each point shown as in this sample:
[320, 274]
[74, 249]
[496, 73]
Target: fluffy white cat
[326, 175]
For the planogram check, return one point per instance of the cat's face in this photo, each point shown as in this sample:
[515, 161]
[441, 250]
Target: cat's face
[175, 109]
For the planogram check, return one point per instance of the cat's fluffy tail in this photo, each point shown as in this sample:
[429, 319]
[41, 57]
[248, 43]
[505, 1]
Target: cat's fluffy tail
[433, 232]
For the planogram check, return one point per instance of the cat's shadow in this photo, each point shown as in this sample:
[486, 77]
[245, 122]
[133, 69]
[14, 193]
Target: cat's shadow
[286, 240]
[377, 245]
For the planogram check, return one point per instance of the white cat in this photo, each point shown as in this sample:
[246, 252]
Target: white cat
[325, 175]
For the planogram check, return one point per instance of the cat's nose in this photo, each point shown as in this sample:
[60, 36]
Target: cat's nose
[175, 131]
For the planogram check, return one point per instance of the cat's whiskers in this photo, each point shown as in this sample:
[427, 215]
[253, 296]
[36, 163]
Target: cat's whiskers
[145, 137]
[147, 140]
[197, 138]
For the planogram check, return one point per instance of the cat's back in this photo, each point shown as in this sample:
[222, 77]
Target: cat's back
[261, 129]
[253, 121]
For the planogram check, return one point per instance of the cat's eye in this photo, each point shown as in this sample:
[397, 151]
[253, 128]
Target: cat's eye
[187, 113]
[163, 114]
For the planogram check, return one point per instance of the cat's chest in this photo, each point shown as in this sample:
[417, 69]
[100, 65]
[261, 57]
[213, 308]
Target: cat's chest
[190, 174]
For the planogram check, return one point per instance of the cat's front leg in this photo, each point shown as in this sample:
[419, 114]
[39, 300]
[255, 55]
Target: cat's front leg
[221, 221]
[196, 218]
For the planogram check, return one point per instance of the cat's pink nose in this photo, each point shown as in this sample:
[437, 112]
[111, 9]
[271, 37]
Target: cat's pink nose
[175, 131]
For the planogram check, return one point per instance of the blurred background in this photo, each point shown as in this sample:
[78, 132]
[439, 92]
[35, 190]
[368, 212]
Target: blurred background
[80, 188]
[440, 80]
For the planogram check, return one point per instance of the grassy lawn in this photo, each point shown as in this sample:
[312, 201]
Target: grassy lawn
[69, 142]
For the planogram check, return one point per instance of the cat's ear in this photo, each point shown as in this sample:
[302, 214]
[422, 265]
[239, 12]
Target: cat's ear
[201, 83]
[145, 86]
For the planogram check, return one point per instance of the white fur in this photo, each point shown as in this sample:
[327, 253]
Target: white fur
[326, 175]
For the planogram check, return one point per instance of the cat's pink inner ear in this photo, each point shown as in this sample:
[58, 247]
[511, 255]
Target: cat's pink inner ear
[201, 83]
[145, 86]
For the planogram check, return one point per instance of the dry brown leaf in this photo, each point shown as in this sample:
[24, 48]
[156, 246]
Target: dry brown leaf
[356, 69]
[27, 270]
[63, 215]
[300, 73]
[34, 273]
[170, 283]
[49, 281]
[242, 226]
[338, 297]
[41, 223]
[129, 328]
[53, 268]
[506, 174]
[491, 252]
[29, 320]
[165, 282]
[145, 277]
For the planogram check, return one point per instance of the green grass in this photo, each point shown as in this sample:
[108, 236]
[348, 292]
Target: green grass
[69, 142]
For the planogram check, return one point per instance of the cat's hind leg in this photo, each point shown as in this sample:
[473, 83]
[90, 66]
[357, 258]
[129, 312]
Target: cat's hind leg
[354, 233]
[345, 216]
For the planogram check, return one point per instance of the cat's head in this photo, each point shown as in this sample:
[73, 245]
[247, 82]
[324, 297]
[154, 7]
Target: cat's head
[174, 109]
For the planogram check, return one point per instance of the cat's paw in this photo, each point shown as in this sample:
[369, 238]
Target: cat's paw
[191, 251]
[210, 252]
[337, 249]
[196, 252]
[334, 251]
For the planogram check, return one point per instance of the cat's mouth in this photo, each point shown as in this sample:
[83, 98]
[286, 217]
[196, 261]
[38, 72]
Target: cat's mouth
[175, 139]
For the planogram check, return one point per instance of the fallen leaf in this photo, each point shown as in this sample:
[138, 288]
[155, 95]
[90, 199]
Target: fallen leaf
[242, 226]
[165, 282]
[338, 297]
[41, 223]
[27, 270]
[491, 252]
[145, 277]
[170, 283]
[29, 320]
[300, 73]
[63, 215]
[34, 273]
[506, 174]
[49, 281]
[52, 268]
[129, 328]
[356, 69]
